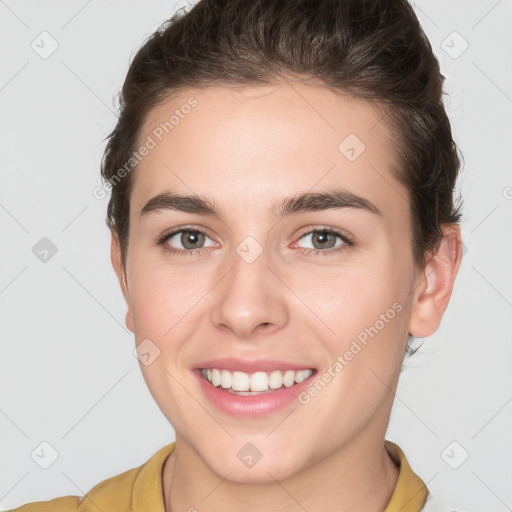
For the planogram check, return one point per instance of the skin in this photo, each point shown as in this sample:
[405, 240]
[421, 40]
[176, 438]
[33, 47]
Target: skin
[248, 149]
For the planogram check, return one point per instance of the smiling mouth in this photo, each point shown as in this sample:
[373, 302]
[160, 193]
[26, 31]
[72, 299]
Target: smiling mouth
[257, 383]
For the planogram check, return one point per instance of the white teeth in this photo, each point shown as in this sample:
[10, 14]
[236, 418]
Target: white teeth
[275, 380]
[259, 381]
[215, 377]
[225, 379]
[302, 375]
[240, 381]
[289, 378]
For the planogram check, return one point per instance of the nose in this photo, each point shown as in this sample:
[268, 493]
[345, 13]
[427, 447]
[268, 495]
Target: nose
[250, 300]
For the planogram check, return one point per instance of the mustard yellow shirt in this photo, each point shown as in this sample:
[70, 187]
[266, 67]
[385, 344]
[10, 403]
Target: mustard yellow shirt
[140, 490]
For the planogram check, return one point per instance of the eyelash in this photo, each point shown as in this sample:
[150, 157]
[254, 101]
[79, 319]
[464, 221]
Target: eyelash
[347, 242]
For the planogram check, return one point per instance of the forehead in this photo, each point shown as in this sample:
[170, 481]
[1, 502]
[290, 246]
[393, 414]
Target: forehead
[259, 143]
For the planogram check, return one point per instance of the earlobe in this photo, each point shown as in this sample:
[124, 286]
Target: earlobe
[436, 284]
[115, 256]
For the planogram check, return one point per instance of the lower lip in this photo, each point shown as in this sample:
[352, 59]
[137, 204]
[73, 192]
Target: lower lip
[251, 406]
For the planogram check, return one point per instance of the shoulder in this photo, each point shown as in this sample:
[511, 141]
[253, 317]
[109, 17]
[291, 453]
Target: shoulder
[63, 504]
[114, 493]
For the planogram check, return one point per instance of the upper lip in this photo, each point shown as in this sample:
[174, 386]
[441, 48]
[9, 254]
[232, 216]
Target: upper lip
[251, 366]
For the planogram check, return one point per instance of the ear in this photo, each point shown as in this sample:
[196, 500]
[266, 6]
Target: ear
[115, 256]
[435, 283]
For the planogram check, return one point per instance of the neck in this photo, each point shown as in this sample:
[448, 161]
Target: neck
[359, 476]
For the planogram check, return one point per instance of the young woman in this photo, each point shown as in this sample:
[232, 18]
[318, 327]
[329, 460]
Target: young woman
[282, 176]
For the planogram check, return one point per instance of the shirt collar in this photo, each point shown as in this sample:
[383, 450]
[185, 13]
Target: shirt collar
[410, 491]
[147, 491]
[409, 495]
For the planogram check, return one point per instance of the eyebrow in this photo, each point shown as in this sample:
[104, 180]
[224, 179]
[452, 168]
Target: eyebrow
[299, 203]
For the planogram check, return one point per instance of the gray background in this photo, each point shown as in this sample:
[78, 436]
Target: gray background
[68, 376]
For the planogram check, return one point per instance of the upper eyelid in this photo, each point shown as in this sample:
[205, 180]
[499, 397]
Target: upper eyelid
[175, 231]
[323, 227]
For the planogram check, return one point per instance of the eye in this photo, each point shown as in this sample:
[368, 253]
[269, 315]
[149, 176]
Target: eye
[190, 240]
[323, 241]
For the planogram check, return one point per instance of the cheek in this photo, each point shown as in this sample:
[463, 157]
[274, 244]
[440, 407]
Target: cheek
[163, 300]
[165, 309]
[366, 312]
[347, 301]
[360, 313]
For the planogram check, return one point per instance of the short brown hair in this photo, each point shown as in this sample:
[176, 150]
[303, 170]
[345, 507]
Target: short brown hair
[371, 49]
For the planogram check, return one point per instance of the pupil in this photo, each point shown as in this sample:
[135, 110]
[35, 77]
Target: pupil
[322, 237]
[189, 238]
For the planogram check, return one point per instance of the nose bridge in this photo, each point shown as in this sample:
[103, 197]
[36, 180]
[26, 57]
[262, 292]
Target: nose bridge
[250, 263]
[250, 295]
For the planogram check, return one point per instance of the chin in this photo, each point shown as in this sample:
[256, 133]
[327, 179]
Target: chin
[261, 475]
[265, 470]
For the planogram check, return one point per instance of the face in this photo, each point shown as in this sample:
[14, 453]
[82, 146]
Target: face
[251, 276]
